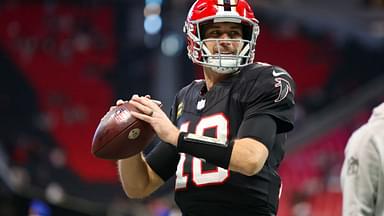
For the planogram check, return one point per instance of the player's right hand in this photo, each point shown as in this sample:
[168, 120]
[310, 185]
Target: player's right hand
[150, 111]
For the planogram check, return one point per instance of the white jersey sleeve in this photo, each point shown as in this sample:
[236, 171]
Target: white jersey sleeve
[362, 175]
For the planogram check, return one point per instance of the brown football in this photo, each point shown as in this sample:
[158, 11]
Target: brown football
[120, 135]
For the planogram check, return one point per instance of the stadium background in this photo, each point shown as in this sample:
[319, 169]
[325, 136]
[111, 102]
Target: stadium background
[63, 63]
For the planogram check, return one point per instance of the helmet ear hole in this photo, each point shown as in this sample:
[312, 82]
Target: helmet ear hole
[247, 31]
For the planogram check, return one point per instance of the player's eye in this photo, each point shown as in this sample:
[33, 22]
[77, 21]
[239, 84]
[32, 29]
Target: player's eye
[213, 33]
[235, 34]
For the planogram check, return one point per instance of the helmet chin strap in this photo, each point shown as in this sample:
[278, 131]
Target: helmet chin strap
[224, 64]
[222, 70]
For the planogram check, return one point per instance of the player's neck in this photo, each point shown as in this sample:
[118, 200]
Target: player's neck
[211, 77]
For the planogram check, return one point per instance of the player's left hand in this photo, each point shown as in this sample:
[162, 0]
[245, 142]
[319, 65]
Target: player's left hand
[155, 116]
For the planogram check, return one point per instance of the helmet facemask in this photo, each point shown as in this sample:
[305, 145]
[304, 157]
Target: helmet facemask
[223, 60]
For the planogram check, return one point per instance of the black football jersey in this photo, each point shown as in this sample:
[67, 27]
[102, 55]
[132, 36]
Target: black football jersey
[205, 189]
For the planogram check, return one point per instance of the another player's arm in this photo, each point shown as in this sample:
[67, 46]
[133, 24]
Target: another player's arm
[360, 175]
[137, 177]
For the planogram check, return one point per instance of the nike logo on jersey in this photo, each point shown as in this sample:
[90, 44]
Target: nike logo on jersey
[276, 74]
[285, 88]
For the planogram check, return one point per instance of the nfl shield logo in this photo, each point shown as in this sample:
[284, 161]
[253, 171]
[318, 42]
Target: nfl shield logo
[200, 104]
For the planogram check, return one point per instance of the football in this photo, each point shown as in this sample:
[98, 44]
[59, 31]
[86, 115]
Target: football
[120, 135]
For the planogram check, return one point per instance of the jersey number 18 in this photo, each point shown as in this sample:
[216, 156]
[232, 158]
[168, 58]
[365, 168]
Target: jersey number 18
[199, 176]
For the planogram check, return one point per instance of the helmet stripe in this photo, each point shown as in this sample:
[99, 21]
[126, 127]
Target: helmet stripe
[227, 5]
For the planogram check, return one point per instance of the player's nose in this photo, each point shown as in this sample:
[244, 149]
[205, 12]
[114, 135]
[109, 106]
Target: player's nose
[224, 35]
[224, 40]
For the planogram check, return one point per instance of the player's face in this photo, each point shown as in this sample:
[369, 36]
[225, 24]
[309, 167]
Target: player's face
[226, 32]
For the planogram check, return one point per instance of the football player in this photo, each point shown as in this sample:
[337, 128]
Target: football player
[224, 139]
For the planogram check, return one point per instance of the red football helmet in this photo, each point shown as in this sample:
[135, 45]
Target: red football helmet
[214, 11]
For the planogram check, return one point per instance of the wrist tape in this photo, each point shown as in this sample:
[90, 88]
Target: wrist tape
[214, 151]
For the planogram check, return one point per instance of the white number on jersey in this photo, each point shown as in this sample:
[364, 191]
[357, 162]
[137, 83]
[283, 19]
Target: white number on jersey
[199, 176]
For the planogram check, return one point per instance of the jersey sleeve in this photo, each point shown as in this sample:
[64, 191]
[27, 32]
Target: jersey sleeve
[163, 159]
[261, 128]
[271, 93]
[360, 174]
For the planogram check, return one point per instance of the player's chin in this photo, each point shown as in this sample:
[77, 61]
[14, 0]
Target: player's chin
[224, 55]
